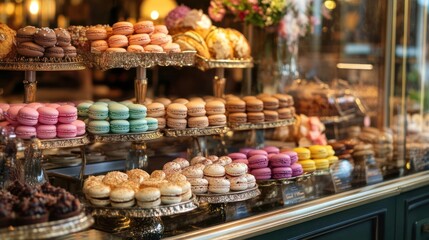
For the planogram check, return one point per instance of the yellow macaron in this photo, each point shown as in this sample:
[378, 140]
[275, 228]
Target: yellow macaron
[318, 151]
[321, 164]
[330, 150]
[332, 159]
[303, 153]
[308, 165]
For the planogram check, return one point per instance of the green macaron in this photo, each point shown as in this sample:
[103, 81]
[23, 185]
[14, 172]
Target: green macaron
[82, 109]
[138, 125]
[119, 126]
[98, 111]
[137, 111]
[126, 102]
[118, 111]
[152, 123]
[98, 127]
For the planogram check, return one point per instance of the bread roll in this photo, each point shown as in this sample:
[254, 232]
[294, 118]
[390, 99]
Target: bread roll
[239, 43]
[219, 45]
[191, 40]
[7, 40]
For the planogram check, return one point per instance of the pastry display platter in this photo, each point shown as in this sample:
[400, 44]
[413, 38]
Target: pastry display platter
[49, 229]
[302, 177]
[127, 60]
[195, 132]
[138, 212]
[126, 137]
[63, 142]
[230, 196]
[42, 64]
[263, 125]
[205, 64]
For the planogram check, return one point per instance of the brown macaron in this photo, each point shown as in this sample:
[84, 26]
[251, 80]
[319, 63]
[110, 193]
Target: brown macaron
[30, 49]
[215, 107]
[45, 37]
[270, 103]
[254, 105]
[25, 34]
[217, 120]
[271, 116]
[235, 105]
[70, 51]
[176, 123]
[255, 117]
[198, 122]
[285, 113]
[237, 118]
[54, 52]
[63, 37]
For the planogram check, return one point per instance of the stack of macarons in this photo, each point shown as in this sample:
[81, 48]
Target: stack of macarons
[44, 42]
[304, 158]
[124, 36]
[44, 120]
[258, 109]
[269, 162]
[123, 190]
[213, 174]
[116, 117]
[181, 113]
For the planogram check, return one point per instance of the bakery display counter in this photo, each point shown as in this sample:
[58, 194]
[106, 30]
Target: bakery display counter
[373, 202]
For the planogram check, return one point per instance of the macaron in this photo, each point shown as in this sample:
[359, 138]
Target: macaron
[25, 132]
[152, 123]
[80, 127]
[46, 131]
[98, 127]
[271, 149]
[196, 109]
[176, 123]
[303, 153]
[48, 115]
[148, 197]
[217, 120]
[67, 114]
[140, 39]
[237, 155]
[296, 169]
[82, 109]
[251, 180]
[285, 113]
[177, 110]
[158, 38]
[144, 27]
[198, 122]
[66, 130]
[99, 46]
[261, 173]
[321, 164]
[170, 47]
[12, 114]
[170, 193]
[318, 151]
[122, 197]
[98, 111]
[96, 33]
[235, 105]
[280, 160]
[138, 125]
[99, 194]
[332, 159]
[255, 117]
[281, 172]
[151, 48]
[117, 41]
[30, 49]
[137, 111]
[25, 34]
[199, 185]
[182, 162]
[270, 103]
[118, 111]
[219, 185]
[161, 29]
[271, 115]
[119, 126]
[155, 109]
[70, 51]
[236, 169]
[123, 28]
[258, 161]
[254, 105]
[253, 152]
[45, 37]
[28, 116]
[214, 170]
[135, 49]
[238, 183]
[292, 155]
[192, 172]
[308, 165]
[215, 107]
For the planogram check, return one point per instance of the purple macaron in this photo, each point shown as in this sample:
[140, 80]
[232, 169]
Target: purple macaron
[281, 172]
[280, 160]
[258, 161]
[296, 169]
[261, 173]
[271, 149]
[256, 152]
[245, 150]
[237, 155]
[293, 156]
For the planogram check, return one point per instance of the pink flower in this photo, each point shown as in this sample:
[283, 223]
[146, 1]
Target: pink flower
[254, 2]
[242, 14]
[235, 2]
[216, 11]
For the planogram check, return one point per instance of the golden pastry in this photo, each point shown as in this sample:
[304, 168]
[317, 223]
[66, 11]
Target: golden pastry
[219, 45]
[7, 40]
[191, 40]
[239, 44]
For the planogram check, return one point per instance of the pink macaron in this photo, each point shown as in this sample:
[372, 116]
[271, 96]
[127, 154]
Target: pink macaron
[258, 161]
[48, 115]
[237, 155]
[4, 107]
[256, 152]
[281, 172]
[67, 114]
[66, 131]
[28, 116]
[80, 127]
[261, 173]
[139, 39]
[46, 131]
[158, 38]
[293, 156]
[12, 114]
[35, 105]
[279, 160]
[245, 161]
[52, 105]
[271, 149]
[25, 132]
[245, 150]
[296, 169]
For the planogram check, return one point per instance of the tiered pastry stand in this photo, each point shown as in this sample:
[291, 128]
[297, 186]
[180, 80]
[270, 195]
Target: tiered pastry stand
[137, 222]
[32, 65]
[141, 61]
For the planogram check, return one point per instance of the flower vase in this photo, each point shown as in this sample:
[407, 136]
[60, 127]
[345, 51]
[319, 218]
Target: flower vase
[287, 62]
